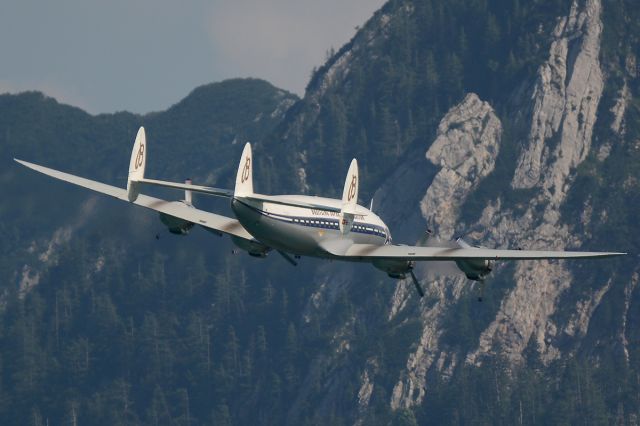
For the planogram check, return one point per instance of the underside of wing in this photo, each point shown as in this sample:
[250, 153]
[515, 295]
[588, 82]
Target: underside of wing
[208, 220]
[400, 252]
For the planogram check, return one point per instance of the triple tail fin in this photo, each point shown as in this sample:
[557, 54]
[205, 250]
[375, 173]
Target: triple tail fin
[349, 197]
[350, 191]
[244, 178]
[137, 165]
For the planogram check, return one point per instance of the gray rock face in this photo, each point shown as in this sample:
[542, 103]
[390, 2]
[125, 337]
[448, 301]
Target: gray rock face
[47, 257]
[562, 112]
[462, 155]
[619, 109]
[567, 112]
[366, 388]
[542, 315]
[412, 386]
[565, 100]
[465, 150]
[628, 294]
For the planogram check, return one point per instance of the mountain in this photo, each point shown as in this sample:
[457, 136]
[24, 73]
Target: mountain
[537, 137]
[511, 123]
[216, 118]
[82, 258]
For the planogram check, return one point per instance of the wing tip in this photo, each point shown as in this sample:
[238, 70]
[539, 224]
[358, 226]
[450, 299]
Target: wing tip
[609, 253]
[24, 163]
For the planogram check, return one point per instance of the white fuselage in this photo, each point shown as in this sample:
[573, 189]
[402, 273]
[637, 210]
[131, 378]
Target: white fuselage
[303, 231]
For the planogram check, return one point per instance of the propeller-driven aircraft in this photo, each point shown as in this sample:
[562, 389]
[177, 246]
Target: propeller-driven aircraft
[301, 225]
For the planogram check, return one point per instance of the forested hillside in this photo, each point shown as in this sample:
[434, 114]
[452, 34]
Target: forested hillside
[103, 323]
[515, 124]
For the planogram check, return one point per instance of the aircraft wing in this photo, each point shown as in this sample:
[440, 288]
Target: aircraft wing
[400, 252]
[208, 220]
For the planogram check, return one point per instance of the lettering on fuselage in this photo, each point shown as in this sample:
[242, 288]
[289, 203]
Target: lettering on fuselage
[317, 212]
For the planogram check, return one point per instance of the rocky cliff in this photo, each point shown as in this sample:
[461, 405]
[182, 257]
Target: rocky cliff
[512, 124]
[543, 311]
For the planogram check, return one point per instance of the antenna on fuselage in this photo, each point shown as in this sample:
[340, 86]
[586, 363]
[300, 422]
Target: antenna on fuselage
[371, 205]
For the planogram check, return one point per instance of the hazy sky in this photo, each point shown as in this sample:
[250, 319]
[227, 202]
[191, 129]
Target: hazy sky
[145, 55]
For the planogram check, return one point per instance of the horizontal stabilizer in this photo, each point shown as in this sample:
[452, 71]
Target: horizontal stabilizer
[220, 192]
[189, 187]
[292, 203]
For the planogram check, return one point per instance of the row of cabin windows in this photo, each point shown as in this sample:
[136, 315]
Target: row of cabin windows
[369, 229]
[321, 223]
[334, 225]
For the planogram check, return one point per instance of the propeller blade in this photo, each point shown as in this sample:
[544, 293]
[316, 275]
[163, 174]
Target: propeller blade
[288, 258]
[429, 239]
[462, 243]
[481, 282]
[417, 284]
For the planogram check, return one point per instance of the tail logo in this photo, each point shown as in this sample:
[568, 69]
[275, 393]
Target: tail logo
[352, 188]
[139, 157]
[246, 170]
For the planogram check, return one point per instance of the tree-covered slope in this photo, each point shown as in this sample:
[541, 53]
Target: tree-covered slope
[81, 271]
[514, 123]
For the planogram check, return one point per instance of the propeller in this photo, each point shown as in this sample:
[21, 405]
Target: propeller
[438, 268]
[482, 282]
[481, 271]
[473, 270]
[288, 258]
[417, 284]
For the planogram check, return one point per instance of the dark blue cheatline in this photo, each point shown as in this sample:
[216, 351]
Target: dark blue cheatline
[310, 222]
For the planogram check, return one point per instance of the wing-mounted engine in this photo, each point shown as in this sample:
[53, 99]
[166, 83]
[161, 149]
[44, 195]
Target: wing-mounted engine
[399, 269]
[253, 247]
[474, 269]
[177, 225]
[394, 268]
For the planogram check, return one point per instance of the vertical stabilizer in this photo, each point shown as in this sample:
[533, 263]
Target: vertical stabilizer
[188, 195]
[244, 178]
[349, 197]
[350, 192]
[137, 165]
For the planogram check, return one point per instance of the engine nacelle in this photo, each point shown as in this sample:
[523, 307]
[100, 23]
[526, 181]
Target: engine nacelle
[475, 269]
[254, 248]
[175, 224]
[394, 268]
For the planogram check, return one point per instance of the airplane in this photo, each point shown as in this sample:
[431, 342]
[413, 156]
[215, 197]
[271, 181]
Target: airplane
[302, 225]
